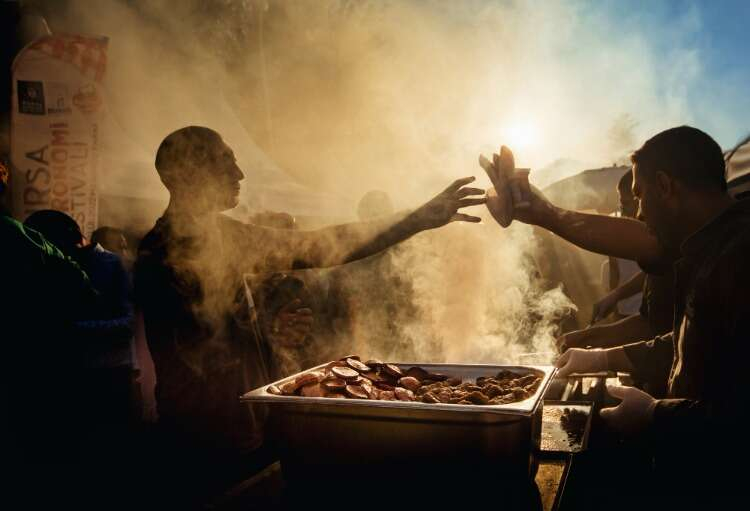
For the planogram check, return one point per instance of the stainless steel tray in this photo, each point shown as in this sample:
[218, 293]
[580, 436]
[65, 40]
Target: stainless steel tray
[313, 433]
[466, 372]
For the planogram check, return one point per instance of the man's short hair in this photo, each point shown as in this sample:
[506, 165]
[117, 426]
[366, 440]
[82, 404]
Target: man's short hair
[685, 153]
[185, 149]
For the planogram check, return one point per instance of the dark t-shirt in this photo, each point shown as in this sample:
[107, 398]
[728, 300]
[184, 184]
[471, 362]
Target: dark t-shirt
[657, 305]
[705, 360]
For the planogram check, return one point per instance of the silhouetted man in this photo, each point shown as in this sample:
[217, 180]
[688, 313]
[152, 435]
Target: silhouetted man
[188, 282]
[693, 224]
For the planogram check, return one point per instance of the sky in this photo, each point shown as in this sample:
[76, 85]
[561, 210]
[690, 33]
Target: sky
[716, 34]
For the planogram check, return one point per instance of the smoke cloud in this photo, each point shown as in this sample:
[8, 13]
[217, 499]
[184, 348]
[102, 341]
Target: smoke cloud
[325, 100]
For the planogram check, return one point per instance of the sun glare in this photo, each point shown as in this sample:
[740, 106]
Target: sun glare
[520, 135]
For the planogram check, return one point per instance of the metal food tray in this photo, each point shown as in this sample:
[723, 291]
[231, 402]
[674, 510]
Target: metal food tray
[325, 431]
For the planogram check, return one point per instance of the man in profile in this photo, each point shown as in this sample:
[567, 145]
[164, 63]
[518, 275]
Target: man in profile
[188, 280]
[692, 225]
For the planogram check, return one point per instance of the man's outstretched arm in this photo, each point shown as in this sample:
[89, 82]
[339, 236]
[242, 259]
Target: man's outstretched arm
[341, 244]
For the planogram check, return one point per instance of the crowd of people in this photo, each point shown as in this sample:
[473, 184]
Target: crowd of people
[677, 252]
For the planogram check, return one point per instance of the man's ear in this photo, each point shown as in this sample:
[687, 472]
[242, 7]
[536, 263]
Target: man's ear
[664, 184]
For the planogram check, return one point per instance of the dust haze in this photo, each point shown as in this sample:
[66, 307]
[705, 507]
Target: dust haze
[324, 100]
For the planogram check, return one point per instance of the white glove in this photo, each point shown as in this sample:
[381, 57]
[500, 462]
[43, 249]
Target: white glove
[577, 360]
[633, 414]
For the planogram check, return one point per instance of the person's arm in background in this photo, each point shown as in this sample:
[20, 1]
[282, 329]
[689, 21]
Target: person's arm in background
[627, 330]
[341, 244]
[608, 303]
[608, 235]
[119, 318]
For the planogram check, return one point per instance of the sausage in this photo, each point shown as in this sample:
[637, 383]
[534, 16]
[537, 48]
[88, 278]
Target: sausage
[429, 398]
[313, 390]
[409, 382]
[307, 378]
[404, 394]
[393, 370]
[355, 357]
[477, 398]
[345, 373]
[372, 376]
[388, 395]
[417, 372]
[356, 392]
[357, 365]
[367, 387]
[374, 362]
[384, 386]
[273, 389]
[289, 388]
[334, 385]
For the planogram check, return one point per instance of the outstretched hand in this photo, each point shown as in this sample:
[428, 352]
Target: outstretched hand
[634, 413]
[291, 325]
[443, 209]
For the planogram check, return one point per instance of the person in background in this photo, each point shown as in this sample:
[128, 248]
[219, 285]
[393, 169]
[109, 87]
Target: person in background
[43, 294]
[188, 279]
[285, 312]
[106, 364]
[113, 240]
[689, 223]
[617, 271]
[653, 313]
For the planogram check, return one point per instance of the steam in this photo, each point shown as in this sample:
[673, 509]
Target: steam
[324, 100]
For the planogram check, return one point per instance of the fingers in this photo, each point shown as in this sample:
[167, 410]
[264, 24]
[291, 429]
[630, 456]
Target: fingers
[563, 359]
[458, 183]
[490, 170]
[291, 306]
[619, 391]
[465, 192]
[608, 413]
[465, 203]
[461, 217]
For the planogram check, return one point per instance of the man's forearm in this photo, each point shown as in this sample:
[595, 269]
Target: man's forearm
[617, 360]
[614, 236]
[627, 330]
[633, 286]
[344, 243]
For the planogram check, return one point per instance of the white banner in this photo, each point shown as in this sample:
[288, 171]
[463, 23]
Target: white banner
[57, 111]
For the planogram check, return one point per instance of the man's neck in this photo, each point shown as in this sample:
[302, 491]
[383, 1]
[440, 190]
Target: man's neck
[694, 218]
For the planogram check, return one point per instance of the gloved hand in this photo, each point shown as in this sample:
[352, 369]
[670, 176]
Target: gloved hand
[577, 360]
[633, 414]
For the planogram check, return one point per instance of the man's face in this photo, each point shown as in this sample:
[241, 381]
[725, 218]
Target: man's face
[219, 179]
[653, 208]
[628, 204]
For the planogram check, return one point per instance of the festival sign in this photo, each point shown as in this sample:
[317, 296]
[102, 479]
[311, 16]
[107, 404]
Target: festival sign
[57, 112]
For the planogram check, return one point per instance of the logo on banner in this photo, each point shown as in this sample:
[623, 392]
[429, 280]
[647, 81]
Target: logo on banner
[57, 97]
[31, 97]
[87, 99]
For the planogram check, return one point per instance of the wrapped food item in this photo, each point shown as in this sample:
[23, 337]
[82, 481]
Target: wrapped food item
[511, 185]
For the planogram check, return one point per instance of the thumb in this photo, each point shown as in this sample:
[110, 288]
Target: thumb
[563, 359]
[608, 413]
[618, 391]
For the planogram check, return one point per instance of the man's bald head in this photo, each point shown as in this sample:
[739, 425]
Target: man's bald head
[196, 160]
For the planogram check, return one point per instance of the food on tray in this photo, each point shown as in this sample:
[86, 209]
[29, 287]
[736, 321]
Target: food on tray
[350, 378]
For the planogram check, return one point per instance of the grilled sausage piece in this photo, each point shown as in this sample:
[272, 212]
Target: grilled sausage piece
[357, 392]
[345, 373]
[409, 382]
[404, 394]
[357, 365]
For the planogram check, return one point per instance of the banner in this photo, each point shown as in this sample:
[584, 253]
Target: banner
[57, 110]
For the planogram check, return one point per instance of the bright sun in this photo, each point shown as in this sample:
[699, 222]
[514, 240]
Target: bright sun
[520, 135]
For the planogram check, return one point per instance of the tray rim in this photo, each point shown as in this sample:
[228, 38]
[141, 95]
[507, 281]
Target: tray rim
[525, 408]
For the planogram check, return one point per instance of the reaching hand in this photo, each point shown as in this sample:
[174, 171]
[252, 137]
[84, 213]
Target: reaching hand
[633, 414]
[576, 339]
[444, 207]
[576, 360]
[292, 325]
[603, 308]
